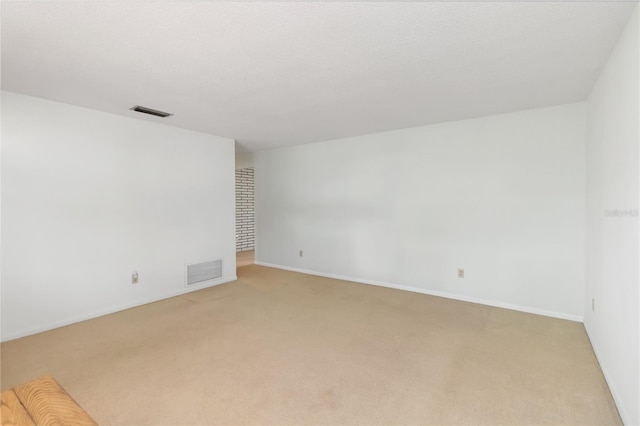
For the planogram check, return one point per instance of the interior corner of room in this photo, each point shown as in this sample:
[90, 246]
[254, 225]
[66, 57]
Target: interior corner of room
[533, 210]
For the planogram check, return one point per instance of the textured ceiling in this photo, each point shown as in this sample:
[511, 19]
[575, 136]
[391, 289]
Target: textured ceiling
[272, 74]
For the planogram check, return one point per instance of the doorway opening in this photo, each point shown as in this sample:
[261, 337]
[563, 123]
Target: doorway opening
[245, 217]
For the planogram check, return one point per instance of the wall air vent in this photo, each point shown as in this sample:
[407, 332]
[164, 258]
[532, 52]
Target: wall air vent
[150, 111]
[205, 271]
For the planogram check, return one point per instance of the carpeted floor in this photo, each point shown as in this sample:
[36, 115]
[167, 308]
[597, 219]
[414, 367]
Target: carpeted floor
[279, 347]
[244, 258]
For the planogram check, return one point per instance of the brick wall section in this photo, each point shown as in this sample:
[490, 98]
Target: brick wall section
[245, 219]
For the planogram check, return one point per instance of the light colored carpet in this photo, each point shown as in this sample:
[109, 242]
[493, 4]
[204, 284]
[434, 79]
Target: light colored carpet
[278, 347]
[245, 258]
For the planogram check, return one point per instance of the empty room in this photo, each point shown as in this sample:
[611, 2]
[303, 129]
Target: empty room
[337, 213]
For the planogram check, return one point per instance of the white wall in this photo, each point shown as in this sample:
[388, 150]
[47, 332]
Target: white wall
[89, 197]
[244, 157]
[502, 197]
[612, 276]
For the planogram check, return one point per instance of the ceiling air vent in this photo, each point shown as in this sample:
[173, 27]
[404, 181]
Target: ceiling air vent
[205, 271]
[150, 111]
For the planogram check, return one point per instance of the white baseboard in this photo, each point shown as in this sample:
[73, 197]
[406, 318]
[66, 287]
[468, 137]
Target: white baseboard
[614, 393]
[520, 308]
[108, 311]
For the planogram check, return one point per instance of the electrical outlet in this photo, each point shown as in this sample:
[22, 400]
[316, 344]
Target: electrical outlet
[460, 273]
[300, 253]
[134, 278]
[593, 305]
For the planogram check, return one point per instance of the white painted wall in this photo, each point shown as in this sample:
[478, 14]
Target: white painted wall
[501, 196]
[89, 197]
[244, 157]
[612, 276]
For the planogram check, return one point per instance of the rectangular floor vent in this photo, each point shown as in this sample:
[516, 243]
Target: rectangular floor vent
[205, 271]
